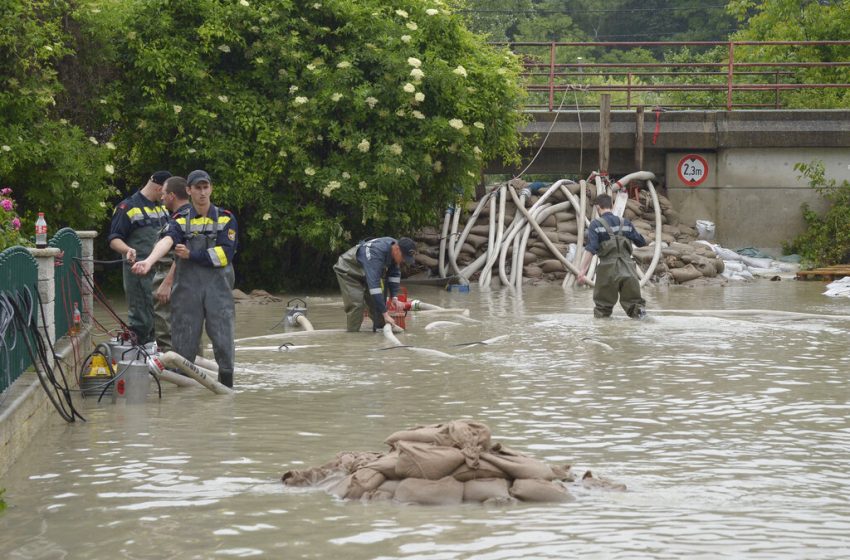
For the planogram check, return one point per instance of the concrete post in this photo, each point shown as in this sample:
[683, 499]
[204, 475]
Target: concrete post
[87, 239]
[47, 290]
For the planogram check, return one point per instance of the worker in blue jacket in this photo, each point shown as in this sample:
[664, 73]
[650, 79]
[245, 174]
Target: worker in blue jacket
[204, 241]
[361, 272]
[610, 238]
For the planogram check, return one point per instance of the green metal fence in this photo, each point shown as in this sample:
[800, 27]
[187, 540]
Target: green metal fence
[18, 280]
[67, 278]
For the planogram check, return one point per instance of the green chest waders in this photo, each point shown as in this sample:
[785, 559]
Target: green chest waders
[139, 289]
[616, 276]
[352, 284]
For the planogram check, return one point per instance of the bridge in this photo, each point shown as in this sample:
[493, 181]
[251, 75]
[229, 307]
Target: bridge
[732, 164]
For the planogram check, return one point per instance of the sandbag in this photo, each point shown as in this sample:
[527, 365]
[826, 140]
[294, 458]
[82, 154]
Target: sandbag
[685, 273]
[442, 492]
[552, 265]
[589, 481]
[357, 483]
[386, 464]
[535, 490]
[424, 434]
[532, 271]
[485, 469]
[483, 230]
[425, 260]
[566, 237]
[485, 489]
[564, 216]
[476, 240]
[517, 465]
[306, 477]
[425, 460]
[568, 227]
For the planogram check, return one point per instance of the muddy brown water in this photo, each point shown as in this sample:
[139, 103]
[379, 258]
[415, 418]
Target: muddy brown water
[731, 433]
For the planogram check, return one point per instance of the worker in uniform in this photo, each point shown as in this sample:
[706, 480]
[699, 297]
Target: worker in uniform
[135, 227]
[361, 272]
[610, 238]
[175, 198]
[204, 242]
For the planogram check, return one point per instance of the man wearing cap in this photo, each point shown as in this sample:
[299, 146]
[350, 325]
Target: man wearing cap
[361, 271]
[204, 241]
[134, 231]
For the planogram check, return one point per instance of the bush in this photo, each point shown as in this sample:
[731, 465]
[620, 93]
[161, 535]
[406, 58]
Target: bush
[826, 240]
[10, 223]
[320, 123]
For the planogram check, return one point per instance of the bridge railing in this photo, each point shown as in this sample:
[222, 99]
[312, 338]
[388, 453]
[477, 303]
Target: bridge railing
[697, 75]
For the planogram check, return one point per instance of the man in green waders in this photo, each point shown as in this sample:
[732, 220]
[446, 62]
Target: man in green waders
[204, 242]
[611, 238]
[361, 271]
[134, 231]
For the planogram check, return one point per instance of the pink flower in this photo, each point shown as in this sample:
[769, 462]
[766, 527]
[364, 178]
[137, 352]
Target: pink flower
[6, 191]
[16, 224]
[6, 204]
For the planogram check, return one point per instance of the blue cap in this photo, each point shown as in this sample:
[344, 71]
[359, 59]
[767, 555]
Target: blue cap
[197, 176]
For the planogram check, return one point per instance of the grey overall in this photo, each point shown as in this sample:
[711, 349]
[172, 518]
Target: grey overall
[616, 277]
[139, 289]
[200, 295]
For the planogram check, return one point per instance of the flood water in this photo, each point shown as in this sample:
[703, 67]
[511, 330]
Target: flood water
[731, 433]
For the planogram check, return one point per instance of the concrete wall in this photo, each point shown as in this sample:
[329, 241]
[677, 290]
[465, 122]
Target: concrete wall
[753, 195]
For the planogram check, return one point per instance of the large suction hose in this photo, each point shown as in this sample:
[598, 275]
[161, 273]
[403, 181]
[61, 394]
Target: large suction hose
[451, 246]
[443, 238]
[199, 374]
[484, 279]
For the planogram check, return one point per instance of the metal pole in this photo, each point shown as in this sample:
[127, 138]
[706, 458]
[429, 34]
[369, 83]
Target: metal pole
[729, 76]
[639, 138]
[604, 131]
[552, 76]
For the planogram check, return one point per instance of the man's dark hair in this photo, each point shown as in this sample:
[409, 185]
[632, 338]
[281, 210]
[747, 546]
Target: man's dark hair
[604, 201]
[177, 185]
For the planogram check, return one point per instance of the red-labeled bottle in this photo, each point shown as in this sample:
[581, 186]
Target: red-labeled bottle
[41, 231]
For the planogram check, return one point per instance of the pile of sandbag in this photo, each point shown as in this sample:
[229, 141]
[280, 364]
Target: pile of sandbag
[443, 464]
[683, 261]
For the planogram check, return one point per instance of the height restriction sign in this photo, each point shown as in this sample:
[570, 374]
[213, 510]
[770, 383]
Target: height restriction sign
[693, 170]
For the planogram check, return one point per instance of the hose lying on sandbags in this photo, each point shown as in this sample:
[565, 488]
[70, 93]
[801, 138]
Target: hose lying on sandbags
[202, 375]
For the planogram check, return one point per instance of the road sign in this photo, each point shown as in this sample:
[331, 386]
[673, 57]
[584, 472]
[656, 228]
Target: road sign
[692, 169]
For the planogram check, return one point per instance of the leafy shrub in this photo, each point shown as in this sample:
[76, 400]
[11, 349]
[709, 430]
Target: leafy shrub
[320, 122]
[826, 240]
[10, 223]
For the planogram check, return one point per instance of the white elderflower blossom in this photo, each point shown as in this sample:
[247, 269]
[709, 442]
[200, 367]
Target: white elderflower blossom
[244, 2]
[371, 102]
[344, 64]
[93, 140]
[476, 150]
[432, 11]
[396, 149]
[300, 100]
[177, 109]
[309, 171]
[223, 98]
[405, 38]
[401, 13]
[224, 48]
[293, 89]
[478, 124]
[191, 150]
[418, 115]
[110, 146]
[362, 184]
[409, 88]
[75, 184]
[438, 166]
[109, 168]
[420, 97]
[336, 97]
[415, 62]
[501, 71]
[460, 71]
[417, 74]
[267, 217]
[400, 113]
[456, 123]
[411, 25]
[363, 146]
[6, 148]
[311, 67]
[346, 175]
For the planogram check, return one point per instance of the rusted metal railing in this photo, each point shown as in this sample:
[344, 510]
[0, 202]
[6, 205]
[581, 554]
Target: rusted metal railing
[553, 68]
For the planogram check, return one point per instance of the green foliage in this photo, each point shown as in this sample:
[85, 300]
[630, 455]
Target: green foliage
[10, 222]
[2, 501]
[826, 240]
[49, 161]
[320, 122]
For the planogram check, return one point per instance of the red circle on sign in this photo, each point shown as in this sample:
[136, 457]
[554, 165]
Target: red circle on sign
[692, 170]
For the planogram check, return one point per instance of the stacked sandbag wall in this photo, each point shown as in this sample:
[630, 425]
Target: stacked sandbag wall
[442, 464]
[682, 261]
